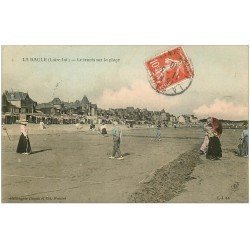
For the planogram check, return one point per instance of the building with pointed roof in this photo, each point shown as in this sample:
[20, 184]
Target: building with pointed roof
[20, 101]
[46, 108]
[56, 101]
[85, 100]
[59, 107]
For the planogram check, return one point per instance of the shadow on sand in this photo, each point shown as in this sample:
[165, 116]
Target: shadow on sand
[125, 154]
[40, 151]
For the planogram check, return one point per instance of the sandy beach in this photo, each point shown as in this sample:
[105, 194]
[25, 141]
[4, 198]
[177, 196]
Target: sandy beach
[70, 165]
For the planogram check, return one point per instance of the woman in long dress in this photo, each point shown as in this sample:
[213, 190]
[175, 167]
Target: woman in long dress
[214, 151]
[23, 146]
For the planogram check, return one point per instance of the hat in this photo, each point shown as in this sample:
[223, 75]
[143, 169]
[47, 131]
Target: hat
[23, 121]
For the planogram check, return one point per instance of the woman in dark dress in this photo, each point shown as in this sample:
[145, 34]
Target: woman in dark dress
[23, 146]
[214, 151]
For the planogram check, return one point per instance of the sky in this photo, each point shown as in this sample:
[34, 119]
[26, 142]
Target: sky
[219, 87]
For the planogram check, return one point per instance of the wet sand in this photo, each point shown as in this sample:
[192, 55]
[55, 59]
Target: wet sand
[70, 165]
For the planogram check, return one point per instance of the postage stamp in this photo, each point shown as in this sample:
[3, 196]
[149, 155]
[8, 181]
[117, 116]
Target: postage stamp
[171, 72]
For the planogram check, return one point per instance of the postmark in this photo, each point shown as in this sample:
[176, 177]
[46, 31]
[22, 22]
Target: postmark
[171, 72]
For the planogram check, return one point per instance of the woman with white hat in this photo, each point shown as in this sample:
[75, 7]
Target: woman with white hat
[23, 146]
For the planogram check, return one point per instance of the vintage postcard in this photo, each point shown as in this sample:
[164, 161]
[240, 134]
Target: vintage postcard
[125, 124]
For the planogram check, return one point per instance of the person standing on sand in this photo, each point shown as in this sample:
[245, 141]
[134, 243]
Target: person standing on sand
[92, 126]
[116, 133]
[243, 146]
[23, 146]
[158, 131]
[42, 125]
[214, 151]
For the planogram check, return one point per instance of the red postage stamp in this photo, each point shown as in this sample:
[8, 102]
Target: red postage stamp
[169, 69]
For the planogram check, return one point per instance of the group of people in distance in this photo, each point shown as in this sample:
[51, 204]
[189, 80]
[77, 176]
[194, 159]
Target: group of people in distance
[211, 145]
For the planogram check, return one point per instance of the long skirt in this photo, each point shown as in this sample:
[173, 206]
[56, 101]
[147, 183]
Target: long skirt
[214, 148]
[23, 145]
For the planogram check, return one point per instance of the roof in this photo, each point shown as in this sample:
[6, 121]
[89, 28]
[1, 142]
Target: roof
[94, 106]
[56, 100]
[130, 108]
[185, 116]
[16, 96]
[44, 105]
[71, 105]
[85, 100]
[5, 102]
[194, 117]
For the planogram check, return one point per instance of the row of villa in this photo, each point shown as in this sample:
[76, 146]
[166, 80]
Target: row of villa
[17, 105]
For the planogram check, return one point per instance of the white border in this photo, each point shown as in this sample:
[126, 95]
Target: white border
[124, 226]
